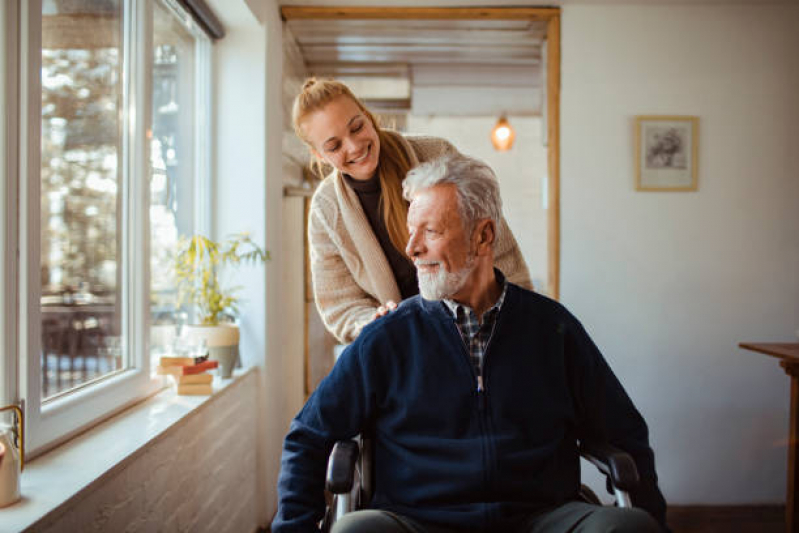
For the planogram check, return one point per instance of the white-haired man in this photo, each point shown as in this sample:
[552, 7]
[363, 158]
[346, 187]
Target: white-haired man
[476, 393]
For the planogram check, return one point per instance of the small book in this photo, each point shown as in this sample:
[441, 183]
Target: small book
[186, 370]
[194, 378]
[192, 389]
[182, 361]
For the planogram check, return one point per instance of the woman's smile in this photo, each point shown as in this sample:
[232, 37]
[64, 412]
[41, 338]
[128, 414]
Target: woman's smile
[344, 136]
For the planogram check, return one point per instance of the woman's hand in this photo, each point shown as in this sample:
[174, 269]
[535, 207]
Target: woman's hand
[384, 309]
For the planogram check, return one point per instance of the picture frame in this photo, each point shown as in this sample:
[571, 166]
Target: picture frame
[666, 153]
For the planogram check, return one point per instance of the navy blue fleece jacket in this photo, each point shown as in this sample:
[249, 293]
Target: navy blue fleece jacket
[447, 453]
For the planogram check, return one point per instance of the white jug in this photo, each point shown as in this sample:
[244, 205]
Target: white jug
[11, 459]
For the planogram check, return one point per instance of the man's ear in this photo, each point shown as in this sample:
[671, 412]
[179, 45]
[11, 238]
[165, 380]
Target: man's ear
[485, 233]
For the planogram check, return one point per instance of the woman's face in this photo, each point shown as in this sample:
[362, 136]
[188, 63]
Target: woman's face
[341, 134]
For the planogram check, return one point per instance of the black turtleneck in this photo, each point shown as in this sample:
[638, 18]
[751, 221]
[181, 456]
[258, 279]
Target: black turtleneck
[404, 272]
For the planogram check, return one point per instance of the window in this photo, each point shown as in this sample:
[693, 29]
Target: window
[113, 178]
[173, 164]
[81, 195]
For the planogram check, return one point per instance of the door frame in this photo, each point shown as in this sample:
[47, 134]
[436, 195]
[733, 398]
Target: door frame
[550, 15]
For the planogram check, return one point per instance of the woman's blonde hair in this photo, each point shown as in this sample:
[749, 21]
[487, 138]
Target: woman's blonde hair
[393, 163]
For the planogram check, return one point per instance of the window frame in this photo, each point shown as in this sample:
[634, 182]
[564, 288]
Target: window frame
[57, 419]
[8, 122]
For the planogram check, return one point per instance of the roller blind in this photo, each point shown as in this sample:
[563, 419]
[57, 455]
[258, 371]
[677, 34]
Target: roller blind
[205, 17]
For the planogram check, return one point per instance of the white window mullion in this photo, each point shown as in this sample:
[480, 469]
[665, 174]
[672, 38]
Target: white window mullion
[141, 191]
[135, 176]
[9, 185]
[203, 83]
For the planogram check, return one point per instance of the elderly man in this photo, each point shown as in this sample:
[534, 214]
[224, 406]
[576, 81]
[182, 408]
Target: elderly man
[476, 393]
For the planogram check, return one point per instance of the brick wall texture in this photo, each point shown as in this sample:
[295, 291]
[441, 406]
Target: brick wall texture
[198, 476]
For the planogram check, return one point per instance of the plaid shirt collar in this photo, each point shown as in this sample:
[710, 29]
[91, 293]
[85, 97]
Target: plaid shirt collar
[453, 306]
[474, 334]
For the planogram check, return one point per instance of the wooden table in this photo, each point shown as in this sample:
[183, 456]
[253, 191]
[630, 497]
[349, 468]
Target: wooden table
[788, 354]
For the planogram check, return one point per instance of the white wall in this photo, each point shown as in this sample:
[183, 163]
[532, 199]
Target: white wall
[475, 90]
[521, 172]
[669, 283]
[239, 163]
[249, 196]
[239, 199]
[471, 100]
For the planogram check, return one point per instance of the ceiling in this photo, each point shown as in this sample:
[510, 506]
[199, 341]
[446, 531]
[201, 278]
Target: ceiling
[391, 47]
[448, 63]
[426, 58]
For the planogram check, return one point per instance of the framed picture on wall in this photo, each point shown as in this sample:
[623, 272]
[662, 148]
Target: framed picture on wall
[666, 149]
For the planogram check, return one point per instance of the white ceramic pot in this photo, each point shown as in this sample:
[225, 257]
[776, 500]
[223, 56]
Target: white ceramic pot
[222, 342]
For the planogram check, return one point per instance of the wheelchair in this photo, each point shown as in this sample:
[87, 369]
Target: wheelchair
[350, 476]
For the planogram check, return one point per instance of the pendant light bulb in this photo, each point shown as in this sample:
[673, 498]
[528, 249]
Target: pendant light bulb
[502, 136]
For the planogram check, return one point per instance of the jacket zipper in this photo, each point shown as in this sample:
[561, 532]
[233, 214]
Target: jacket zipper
[480, 398]
[482, 402]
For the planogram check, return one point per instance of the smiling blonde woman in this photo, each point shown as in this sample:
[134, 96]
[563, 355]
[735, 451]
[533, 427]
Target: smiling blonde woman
[357, 222]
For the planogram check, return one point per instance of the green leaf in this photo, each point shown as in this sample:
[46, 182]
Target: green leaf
[198, 262]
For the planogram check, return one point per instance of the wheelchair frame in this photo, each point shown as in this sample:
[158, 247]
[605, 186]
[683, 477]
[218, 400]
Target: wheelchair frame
[350, 475]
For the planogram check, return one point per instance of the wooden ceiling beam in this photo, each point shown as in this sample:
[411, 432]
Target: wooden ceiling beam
[499, 50]
[420, 25]
[423, 58]
[410, 13]
[487, 38]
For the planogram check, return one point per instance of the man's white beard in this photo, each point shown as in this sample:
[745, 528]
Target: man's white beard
[442, 284]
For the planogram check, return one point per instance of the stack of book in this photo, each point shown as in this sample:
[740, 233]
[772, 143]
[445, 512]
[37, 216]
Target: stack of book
[190, 373]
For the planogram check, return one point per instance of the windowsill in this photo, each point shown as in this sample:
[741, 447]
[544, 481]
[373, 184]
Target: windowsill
[62, 474]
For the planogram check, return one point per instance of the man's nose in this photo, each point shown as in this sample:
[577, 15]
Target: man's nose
[412, 249]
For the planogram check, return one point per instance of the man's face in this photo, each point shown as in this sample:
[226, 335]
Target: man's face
[439, 244]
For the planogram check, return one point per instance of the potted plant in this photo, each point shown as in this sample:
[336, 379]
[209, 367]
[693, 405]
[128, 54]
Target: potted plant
[197, 270]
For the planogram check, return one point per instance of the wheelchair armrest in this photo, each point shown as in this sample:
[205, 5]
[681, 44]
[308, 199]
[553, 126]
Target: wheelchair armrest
[341, 467]
[613, 462]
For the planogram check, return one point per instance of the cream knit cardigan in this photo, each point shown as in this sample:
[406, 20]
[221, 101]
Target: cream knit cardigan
[351, 275]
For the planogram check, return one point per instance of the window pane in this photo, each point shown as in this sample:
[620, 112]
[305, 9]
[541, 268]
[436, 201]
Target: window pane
[80, 192]
[172, 179]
